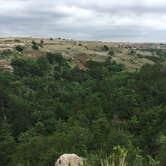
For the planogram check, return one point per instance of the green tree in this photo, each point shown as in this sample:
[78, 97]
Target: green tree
[7, 144]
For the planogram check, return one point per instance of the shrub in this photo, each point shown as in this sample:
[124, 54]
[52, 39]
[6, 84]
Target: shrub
[19, 48]
[35, 45]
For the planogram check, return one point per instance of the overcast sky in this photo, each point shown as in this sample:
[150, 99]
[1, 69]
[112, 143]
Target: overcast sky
[110, 20]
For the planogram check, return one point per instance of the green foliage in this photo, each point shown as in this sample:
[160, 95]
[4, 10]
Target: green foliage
[6, 53]
[117, 158]
[162, 150]
[7, 143]
[41, 44]
[111, 53]
[19, 48]
[35, 45]
[105, 48]
[48, 108]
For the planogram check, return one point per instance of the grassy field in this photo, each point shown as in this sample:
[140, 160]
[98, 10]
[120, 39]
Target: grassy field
[132, 56]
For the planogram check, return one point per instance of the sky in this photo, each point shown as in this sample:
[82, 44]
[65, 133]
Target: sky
[105, 20]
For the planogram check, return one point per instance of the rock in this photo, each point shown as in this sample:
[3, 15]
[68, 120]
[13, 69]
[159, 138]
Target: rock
[69, 160]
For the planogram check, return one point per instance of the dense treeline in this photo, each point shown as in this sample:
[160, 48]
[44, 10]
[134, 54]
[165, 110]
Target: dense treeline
[49, 108]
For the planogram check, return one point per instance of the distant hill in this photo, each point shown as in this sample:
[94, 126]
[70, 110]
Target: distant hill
[131, 55]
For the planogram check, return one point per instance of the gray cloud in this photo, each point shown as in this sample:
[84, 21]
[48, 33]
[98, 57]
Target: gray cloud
[111, 20]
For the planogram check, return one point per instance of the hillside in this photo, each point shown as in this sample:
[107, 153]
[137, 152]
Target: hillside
[105, 102]
[131, 55]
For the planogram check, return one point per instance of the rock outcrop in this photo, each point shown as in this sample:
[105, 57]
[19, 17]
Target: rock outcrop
[69, 160]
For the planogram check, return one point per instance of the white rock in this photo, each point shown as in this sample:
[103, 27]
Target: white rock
[69, 160]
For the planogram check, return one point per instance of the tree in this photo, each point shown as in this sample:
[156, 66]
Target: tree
[162, 150]
[7, 144]
[111, 53]
[105, 48]
[19, 48]
[41, 44]
[35, 45]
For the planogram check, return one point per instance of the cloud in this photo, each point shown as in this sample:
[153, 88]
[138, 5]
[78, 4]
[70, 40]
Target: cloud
[129, 20]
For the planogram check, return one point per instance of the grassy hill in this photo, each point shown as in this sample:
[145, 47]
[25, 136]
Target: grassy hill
[131, 55]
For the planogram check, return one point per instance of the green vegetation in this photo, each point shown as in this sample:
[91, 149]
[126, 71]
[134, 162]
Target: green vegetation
[35, 45]
[5, 54]
[104, 114]
[19, 48]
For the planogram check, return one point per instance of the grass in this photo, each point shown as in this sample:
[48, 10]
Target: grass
[81, 51]
[117, 158]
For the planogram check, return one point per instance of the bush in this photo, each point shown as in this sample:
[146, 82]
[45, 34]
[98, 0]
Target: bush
[19, 48]
[6, 53]
[105, 48]
[35, 45]
[111, 53]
